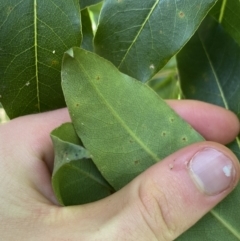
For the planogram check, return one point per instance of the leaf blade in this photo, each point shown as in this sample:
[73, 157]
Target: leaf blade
[219, 69]
[87, 42]
[75, 179]
[31, 49]
[138, 38]
[227, 13]
[122, 133]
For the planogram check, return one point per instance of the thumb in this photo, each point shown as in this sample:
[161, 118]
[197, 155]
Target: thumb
[165, 200]
[174, 194]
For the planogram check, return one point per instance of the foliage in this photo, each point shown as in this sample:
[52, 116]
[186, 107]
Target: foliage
[73, 163]
[114, 84]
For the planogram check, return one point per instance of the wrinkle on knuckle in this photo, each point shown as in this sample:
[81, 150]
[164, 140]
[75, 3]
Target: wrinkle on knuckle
[157, 211]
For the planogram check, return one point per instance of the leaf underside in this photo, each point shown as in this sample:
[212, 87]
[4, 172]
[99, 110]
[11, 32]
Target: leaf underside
[124, 124]
[75, 179]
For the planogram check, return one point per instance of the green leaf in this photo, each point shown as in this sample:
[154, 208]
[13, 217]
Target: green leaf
[87, 42]
[214, 76]
[227, 12]
[75, 180]
[217, 67]
[86, 3]
[125, 125]
[139, 37]
[235, 147]
[34, 36]
[221, 224]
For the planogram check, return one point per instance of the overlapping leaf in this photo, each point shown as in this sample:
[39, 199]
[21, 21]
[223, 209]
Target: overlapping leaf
[76, 180]
[139, 37]
[228, 14]
[214, 76]
[125, 125]
[34, 34]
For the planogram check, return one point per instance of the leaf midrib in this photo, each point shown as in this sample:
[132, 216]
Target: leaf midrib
[138, 33]
[36, 52]
[115, 114]
[215, 74]
[225, 224]
[222, 11]
[88, 175]
[218, 82]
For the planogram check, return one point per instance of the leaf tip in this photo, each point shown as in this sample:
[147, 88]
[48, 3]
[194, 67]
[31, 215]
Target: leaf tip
[70, 53]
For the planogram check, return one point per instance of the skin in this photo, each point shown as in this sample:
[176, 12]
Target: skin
[159, 204]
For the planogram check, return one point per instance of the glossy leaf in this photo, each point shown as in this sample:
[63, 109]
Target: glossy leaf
[75, 180]
[87, 42]
[87, 3]
[214, 76]
[125, 125]
[34, 35]
[228, 14]
[139, 37]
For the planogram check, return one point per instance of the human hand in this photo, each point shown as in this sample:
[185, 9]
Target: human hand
[159, 204]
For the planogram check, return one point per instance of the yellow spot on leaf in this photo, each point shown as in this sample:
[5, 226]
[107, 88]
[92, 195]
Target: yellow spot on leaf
[54, 62]
[181, 14]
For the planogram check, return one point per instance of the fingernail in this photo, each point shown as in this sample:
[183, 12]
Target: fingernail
[212, 171]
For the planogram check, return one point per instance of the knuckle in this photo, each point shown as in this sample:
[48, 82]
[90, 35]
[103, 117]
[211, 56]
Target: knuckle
[157, 211]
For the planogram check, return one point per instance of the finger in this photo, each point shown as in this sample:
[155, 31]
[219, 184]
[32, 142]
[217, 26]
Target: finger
[213, 122]
[35, 131]
[26, 147]
[165, 200]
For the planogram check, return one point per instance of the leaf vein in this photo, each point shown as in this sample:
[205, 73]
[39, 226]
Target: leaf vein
[222, 11]
[36, 51]
[215, 75]
[225, 224]
[119, 119]
[138, 33]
